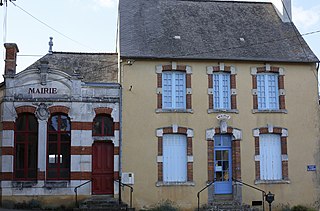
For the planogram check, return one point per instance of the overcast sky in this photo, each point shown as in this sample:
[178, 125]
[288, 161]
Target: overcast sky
[90, 26]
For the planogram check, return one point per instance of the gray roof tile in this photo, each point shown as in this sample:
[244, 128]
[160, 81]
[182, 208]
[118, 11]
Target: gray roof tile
[220, 30]
[93, 67]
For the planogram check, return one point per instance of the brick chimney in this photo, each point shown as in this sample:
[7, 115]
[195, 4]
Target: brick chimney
[11, 58]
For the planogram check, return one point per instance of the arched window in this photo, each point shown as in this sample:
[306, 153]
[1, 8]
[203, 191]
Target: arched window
[58, 147]
[103, 125]
[26, 147]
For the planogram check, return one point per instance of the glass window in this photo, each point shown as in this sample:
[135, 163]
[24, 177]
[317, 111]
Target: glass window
[174, 90]
[103, 125]
[26, 147]
[59, 138]
[268, 98]
[174, 158]
[221, 91]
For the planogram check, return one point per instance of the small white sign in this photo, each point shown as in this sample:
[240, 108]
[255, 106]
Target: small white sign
[218, 168]
[311, 168]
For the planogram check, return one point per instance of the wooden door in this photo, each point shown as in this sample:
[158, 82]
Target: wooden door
[102, 168]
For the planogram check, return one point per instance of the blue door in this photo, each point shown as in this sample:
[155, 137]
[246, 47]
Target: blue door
[223, 164]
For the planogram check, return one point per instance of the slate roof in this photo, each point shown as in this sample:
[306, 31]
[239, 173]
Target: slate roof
[93, 67]
[219, 30]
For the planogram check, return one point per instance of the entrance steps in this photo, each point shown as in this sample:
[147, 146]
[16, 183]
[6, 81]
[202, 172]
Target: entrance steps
[226, 203]
[99, 203]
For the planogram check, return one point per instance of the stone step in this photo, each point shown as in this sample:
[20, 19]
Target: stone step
[99, 203]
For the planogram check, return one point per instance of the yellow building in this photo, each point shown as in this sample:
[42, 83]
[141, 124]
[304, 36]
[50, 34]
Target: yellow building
[219, 93]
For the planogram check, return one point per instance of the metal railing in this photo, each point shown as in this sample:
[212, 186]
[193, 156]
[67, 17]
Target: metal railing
[125, 185]
[198, 194]
[253, 187]
[76, 191]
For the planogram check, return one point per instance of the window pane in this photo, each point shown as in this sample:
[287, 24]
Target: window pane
[21, 122]
[65, 137]
[32, 156]
[108, 126]
[32, 173]
[65, 123]
[221, 91]
[33, 137]
[20, 137]
[33, 123]
[53, 137]
[53, 123]
[19, 174]
[97, 126]
[167, 90]
[65, 156]
[20, 156]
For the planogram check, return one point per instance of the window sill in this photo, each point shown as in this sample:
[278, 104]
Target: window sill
[159, 110]
[56, 184]
[23, 184]
[256, 182]
[160, 183]
[102, 138]
[269, 111]
[210, 111]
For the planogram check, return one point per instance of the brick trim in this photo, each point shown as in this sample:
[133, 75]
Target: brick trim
[7, 150]
[5, 176]
[59, 109]
[41, 175]
[25, 109]
[105, 110]
[8, 125]
[81, 125]
[81, 150]
[80, 175]
[116, 175]
[282, 132]
[116, 125]
[116, 150]
[210, 160]
[268, 69]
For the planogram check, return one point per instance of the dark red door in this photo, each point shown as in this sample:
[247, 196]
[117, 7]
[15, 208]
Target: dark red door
[102, 168]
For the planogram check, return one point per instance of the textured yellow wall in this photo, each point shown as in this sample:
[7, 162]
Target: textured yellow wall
[140, 122]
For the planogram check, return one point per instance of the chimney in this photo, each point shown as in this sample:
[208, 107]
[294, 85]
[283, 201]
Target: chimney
[283, 8]
[287, 13]
[11, 58]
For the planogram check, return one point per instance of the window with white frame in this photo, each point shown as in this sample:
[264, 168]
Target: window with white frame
[221, 91]
[270, 157]
[174, 158]
[267, 87]
[174, 90]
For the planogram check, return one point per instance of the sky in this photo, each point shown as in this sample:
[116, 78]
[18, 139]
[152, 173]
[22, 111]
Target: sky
[90, 26]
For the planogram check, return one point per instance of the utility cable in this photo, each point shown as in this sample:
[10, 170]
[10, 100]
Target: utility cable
[69, 38]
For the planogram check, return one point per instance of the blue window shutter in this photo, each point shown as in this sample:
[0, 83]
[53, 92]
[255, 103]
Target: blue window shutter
[174, 158]
[167, 90]
[180, 88]
[173, 90]
[270, 157]
[221, 91]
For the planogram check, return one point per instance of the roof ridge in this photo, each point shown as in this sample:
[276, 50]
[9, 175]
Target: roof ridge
[230, 1]
[83, 53]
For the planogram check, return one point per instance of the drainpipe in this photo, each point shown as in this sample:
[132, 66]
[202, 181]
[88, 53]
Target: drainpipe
[120, 79]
